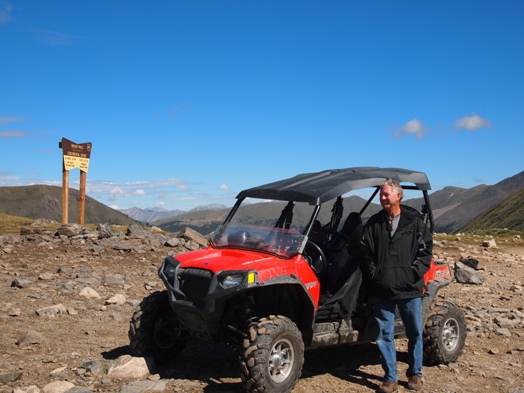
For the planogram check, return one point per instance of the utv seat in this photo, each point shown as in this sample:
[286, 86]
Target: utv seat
[353, 220]
[345, 255]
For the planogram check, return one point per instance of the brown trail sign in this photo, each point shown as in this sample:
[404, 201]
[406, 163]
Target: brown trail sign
[75, 155]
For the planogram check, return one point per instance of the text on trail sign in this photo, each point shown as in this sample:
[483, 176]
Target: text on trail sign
[76, 155]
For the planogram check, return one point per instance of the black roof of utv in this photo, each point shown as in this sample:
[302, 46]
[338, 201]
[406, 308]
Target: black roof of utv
[317, 188]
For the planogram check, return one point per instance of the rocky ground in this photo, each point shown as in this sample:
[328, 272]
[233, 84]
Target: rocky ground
[66, 301]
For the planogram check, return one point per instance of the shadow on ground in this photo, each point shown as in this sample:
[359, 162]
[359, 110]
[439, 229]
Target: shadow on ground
[218, 364]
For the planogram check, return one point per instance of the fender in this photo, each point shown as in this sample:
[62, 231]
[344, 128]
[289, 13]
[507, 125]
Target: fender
[438, 276]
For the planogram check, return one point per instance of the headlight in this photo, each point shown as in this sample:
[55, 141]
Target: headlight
[232, 281]
[169, 270]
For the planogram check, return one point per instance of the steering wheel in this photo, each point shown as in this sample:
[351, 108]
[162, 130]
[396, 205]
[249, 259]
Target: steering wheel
[317, 262]
[238, 238]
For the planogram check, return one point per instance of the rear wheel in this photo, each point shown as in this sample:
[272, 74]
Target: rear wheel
[444, 334]
[155, 331]
[273, 356]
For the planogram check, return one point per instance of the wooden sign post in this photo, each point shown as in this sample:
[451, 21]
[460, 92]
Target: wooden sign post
[75, 156]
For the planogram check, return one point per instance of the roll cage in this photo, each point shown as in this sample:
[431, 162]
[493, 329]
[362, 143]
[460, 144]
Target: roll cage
[319, 187]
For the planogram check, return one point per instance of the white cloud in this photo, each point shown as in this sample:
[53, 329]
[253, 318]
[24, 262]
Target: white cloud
[139, 192]
[5, 14]
[55, 38]
[115, 193]
[174, 112]
[8, 181]
[10, 119]
[472, 122]
[13, 134]
[223, 187]
[412, 127]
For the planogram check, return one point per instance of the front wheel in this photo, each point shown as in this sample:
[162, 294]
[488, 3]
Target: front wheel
[444, 334]
[155, 331]
[273, 356]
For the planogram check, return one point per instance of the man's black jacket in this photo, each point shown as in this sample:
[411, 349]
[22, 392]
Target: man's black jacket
[396, 265]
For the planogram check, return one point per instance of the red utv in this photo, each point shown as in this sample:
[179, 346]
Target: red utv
[283, 275]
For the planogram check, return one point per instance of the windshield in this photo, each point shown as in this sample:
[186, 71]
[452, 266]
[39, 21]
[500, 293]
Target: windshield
[275, 228]
[279, 241]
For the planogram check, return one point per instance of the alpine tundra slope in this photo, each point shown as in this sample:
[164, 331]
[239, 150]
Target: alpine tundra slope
[275, 286]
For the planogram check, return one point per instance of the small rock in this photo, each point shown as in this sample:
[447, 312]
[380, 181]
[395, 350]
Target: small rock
[118, 299]
[57, 387]
[32, 337]
[14, 312]
[489, 243]
[129, 367]
[21, 283]
[96, 367]
[144, 386]
[30, 389]
[503, 332]
[89, 293]
[173, 242]
[69, 230]
[10, 377]
[114, 279]
[51, 311]
[78, 389]
[46, 276]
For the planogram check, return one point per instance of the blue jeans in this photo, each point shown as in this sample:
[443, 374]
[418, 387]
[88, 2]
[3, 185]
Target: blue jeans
[411, 313]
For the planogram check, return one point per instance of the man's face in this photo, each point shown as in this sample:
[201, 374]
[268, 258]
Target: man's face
[389, 199]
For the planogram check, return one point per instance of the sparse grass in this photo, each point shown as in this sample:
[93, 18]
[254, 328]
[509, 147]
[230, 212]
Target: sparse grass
[503, 238]
[12, 224]
[501, 233]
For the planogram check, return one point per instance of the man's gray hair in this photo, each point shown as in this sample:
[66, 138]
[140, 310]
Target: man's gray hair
[395, 187]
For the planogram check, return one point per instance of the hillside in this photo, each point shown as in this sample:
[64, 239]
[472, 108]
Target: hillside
[41, 201]
[478, 203]
[507, 214]
[445, 200]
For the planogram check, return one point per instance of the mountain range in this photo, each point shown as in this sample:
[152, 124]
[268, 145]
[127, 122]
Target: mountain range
[152, 214]
[455, 209]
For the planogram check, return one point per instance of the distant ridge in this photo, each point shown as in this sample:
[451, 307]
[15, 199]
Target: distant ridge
[152, 214]
[41, 201]
[454, 208]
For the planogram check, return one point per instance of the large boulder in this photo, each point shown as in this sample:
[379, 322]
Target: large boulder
[69, 230]
[137, 231]
[192, 235]
[467, 275]
[105, 231]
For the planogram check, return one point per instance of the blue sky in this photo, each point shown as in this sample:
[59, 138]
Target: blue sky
[187, 103]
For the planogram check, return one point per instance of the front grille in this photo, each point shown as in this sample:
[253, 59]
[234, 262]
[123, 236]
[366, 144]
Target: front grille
[194, 284]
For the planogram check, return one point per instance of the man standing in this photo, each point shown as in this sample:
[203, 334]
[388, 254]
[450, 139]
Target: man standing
[397, 246]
